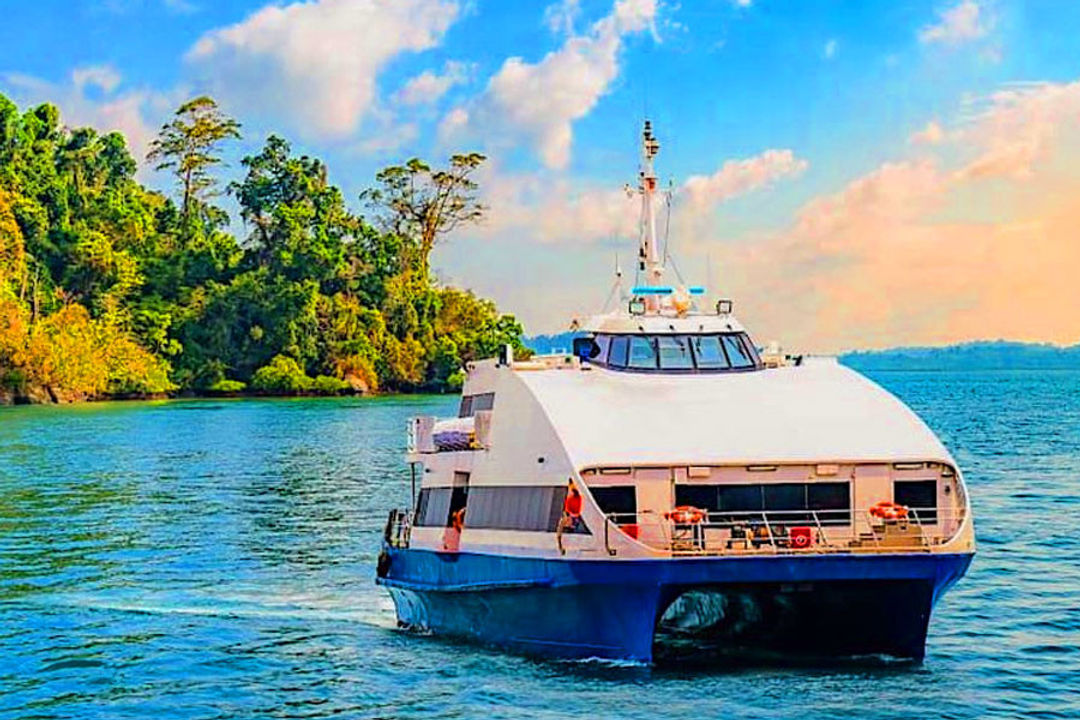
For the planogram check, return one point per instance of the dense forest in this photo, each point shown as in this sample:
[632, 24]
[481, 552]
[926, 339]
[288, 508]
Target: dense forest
[108, 288]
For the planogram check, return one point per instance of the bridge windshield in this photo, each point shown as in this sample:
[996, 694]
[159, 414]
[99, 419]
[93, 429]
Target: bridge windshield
[725, 352]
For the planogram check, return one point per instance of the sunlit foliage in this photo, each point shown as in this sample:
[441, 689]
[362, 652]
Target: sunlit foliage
[107, 287]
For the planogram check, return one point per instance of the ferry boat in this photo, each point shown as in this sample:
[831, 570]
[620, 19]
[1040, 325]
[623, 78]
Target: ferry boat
[667, 488]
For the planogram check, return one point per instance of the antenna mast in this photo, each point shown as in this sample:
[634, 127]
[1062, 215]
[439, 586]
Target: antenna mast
[649, 260]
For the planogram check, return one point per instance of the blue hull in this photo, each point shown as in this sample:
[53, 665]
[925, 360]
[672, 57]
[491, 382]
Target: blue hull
[638, 609]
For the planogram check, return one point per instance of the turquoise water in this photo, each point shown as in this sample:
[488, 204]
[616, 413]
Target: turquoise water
[210, 559]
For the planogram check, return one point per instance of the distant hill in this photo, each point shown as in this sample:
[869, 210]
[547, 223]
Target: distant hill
[980, 355]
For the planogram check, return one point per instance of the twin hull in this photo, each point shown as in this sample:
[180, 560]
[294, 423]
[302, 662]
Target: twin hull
[626, 609]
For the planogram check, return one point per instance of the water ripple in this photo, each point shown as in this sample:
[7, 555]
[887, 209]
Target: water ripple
[202, 559]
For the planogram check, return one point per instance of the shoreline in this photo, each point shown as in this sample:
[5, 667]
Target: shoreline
[46, 398]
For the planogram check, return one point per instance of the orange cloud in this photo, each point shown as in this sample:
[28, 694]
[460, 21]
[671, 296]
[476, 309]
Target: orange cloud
[918, 253]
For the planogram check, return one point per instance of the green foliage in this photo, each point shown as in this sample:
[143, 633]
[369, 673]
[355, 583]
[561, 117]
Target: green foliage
[227, 387]
[326, 385]
[107, 287]
[188, 146]
[282, 376]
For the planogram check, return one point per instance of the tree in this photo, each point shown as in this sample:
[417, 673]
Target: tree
[301, 226]
[190, 146]
[421, 204]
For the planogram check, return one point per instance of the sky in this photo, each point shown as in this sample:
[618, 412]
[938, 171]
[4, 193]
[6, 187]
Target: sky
[853, 175]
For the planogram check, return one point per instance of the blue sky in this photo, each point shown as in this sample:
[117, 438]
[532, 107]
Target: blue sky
[914, 133]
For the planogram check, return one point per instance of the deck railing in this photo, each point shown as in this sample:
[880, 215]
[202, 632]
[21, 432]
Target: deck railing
[784, 531]
[398, 528]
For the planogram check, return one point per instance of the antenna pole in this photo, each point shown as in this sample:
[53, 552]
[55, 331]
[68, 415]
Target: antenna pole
[650, 262]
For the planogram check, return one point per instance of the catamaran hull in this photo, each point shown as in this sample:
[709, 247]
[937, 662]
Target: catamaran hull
[644, 609]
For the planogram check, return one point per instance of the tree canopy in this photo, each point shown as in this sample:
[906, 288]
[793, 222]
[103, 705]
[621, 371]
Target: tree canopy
[107, 287]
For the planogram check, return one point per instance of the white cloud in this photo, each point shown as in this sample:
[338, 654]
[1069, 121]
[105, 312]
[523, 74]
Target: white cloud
[388, 138]
[931, 134]
[540, 101]
[829, 51]
[959, 24]
[547, 208]
[315, 64]
[135, 113]
[104, 77]
[428, 87]
[737, 177]
[561, 16]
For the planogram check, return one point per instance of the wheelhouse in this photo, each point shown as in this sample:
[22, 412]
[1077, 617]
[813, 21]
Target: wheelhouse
[670, 352]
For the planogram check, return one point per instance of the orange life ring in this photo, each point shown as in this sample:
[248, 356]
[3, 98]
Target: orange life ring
[888, 510]
[686, 515]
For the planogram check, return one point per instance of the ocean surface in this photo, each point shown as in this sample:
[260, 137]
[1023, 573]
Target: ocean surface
[215, 559]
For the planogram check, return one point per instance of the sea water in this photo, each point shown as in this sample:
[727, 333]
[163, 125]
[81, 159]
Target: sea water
[215, 559]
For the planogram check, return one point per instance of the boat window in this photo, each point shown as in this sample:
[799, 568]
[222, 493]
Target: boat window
[433, 507]
[619, 499]
[642, 353]
[618, 354]
[708, 353]
[737, 353]
[786, 499]
[784, 503]
[831, 501]
[528, 508]
[472, 404]
[920, 496]
[675, 352]
[603, 342]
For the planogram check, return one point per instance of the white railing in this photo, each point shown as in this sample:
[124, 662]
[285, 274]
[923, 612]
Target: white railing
[784, 531]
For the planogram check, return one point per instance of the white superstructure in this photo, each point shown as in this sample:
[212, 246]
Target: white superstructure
[682, 443]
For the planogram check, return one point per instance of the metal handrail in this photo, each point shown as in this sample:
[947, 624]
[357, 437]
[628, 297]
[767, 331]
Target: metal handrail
[398, 529]
[844, 531]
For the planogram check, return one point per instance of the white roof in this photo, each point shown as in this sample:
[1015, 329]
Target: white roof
[621, 322]
[819, 412]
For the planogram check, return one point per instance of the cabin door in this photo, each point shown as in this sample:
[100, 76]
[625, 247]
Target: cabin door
[872, 485]
[456, 514]
[655, 497]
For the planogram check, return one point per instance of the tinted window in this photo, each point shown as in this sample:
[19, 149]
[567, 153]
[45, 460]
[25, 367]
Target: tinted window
[675, 353]
[603, 342]
[736, 352]
[739, 498]
[433, 507]
[530, 508]
[831, 502]
[785, 496]
[708, 353]
[619, 351]
[750, 349]
[699, 496]
[642, 352]
[919, 495]
[621, 500]
[471, 404]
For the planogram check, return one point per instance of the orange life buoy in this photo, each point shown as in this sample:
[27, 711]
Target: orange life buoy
[888, 510]
[686, 515]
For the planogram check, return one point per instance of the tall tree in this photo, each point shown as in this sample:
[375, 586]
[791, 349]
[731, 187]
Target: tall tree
[420, 204]
[191, 144]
